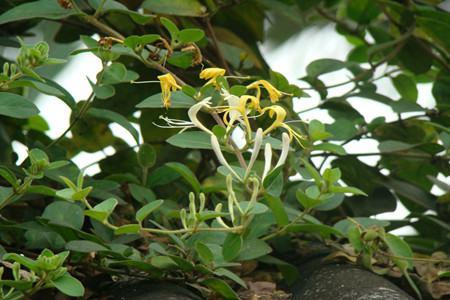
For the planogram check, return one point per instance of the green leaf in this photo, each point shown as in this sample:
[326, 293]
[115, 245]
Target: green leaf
[399, 247]
[190, 35]
[128, 229]
[362, 11]
[253, 249]
[316, 131]
[178, 99]
[273, 183]
[64, 213]
[103, 210]
[170, 26]
[9, 176]
[114, 73]
[406, 87]
[114, 117]
[141, 194]
[441, 89]
[393, 146]
[37, 9]
[330, 147]
[326, 65]
[354, 237]
[187, 174]
[204, 252]
[16, 106]
[222, 272]
[69, 285]
[232, 246]
[85, 246]
[134, 41]
[144, 211]
[306, 201]
[324, 230]
[344, 225]
[346, 189]
[188, 8]
[146, 156]
[191, 140]
[102, 91]
[221, 287]
[23, 260]
[278, 210]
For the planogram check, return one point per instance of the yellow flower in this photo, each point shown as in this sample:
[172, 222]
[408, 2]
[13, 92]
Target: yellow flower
[211, 74]
[238, 109]
[280, 115]
[168, 84]
[274, 94]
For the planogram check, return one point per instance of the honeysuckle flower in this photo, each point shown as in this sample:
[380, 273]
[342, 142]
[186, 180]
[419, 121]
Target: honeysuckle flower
[274, 94]
[286, 141]
[211, 74]
[280, 115]
[267, 160]
[255, 152]
[238, 109]
[168, 85]
[216, 148]
[193, 111]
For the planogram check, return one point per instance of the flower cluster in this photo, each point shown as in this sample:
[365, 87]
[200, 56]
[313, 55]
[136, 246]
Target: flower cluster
[236, 112]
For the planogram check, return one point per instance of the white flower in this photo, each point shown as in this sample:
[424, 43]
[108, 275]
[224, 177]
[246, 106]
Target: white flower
[284, 149]
[193, 111]
[256, 148]
[267, 160]
[216, 148]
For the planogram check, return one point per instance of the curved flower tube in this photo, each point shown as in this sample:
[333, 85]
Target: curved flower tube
[193, 111]
[280, 116]
[168, 85]
[216, 148]
[255, 152]
[267, 160]
[284, 149]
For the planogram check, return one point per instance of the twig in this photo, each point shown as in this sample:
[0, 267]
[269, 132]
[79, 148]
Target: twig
[216, 45]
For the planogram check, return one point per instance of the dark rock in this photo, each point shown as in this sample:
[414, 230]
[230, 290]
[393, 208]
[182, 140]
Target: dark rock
[145, 290]
[344, 282]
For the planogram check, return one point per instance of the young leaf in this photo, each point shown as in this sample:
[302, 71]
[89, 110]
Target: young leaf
[187, 174]
[69, 285]
[232, 246]
[146, 156]
[144, 211]
[221, 287]
[399, 248]
[204, 252]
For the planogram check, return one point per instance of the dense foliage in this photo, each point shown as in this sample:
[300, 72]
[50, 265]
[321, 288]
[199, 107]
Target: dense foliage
[207, 195]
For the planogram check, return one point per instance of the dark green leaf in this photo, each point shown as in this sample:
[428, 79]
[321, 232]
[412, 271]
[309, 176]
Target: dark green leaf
[232, 246]
[16, 106]
[69, 285]
[189, 8]
[187, 174]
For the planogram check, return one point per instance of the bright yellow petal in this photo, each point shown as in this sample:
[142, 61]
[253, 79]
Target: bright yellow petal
[168, 84]
[211, 74]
